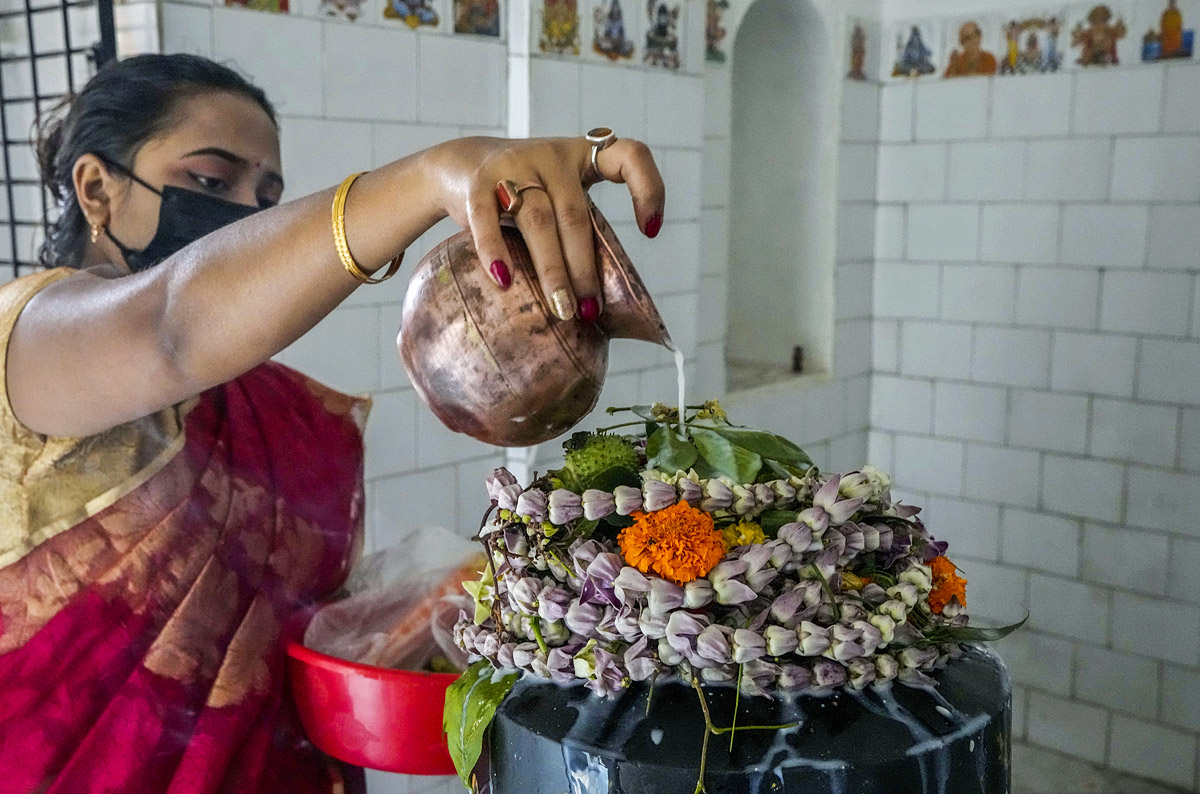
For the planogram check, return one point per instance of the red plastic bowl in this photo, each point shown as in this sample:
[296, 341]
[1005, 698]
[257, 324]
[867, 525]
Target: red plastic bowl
[371, 716]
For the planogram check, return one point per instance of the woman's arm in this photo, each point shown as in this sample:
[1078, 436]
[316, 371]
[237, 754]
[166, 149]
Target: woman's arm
[89, 353]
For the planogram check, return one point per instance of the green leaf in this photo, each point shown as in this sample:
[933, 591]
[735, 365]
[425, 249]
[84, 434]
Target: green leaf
[668, 452]
[644, 411]
[609, 479]
[767, 445]
[471, 702]
[730, 459]
[772, 520]
[975, 633]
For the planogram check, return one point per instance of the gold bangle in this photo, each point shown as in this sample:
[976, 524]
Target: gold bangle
[339, 237]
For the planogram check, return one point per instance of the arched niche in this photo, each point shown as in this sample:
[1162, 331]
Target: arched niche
[783, 195]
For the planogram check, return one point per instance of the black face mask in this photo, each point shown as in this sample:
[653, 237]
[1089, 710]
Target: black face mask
[183, 218]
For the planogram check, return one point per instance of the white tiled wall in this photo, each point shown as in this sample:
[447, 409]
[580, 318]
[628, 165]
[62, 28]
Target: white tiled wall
[1037, 377]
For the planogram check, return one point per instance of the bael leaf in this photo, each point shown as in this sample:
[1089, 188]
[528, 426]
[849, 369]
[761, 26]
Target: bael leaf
[667, 452]
[609, 479]
[730, 459]
[471, 702]
[644, 411]
[772, 520]
[767, 445]
[976, 633]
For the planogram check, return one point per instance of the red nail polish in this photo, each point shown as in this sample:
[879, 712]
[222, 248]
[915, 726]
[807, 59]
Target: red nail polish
[654, 225]
[500, 273]
[589, 309]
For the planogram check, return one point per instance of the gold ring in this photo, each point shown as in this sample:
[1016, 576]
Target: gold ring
[600, 138]
[509, 194]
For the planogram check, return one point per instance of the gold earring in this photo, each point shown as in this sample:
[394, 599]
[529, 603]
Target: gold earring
[95, 231]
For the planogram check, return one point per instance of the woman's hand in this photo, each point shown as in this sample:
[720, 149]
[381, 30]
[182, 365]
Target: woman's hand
[555, 223]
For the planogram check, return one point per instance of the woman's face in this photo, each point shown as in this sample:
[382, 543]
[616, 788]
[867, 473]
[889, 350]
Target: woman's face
[221, 144]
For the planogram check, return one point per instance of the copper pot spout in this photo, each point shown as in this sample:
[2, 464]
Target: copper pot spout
[498, 365]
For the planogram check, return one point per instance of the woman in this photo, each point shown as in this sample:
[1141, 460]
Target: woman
[168, 497]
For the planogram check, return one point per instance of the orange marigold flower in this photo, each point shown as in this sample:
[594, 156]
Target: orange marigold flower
[678, 543]
[947, 584]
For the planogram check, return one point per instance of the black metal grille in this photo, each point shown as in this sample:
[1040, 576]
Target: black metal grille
[47, 51]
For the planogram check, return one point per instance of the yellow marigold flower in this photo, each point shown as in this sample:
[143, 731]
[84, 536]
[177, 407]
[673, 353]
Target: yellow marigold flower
[743, 534]
[678, 543]
[947, 584]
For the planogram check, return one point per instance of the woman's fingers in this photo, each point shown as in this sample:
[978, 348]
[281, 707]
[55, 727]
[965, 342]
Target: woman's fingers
[630, 162]
[483, 215]
[538, 224]
[574, 220]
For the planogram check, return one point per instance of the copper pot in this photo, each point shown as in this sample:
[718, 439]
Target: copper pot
[498, 365]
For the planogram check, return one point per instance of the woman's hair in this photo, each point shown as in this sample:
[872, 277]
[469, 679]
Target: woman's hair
[121, 108]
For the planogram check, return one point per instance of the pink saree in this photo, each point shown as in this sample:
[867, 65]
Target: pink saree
[140, 649]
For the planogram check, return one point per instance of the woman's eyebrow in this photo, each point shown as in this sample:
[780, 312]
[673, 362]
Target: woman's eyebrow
[225, 154]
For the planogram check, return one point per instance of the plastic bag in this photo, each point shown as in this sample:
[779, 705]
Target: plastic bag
[402, 606]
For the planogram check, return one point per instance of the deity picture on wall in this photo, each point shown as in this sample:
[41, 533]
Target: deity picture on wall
[1167, 37]
[610, 37]
[560, 27]
[915, 54]
[274, 6]
[1032, 45]
[714, 32]
[858, 53]
[1096, 37]
[662, 39]
[477, 17]
[342, 9]
[414, 13]
[969, 58]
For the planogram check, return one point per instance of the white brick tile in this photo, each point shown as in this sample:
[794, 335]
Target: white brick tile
[1039, 541]
[1181, 108]
[1153, 751]
[885, 346]
[951, 109]
[1156, 628]
[674, 110]
[857, 400]
[1134, 431]
[1035, 106]
[1170, 371]
[712, 308]
[238, 37]
[943, 232]
[1125, 557]
[971, 528]
[1038, 660]
[852, 348]
[852, 291]
[1026, 234]
[927, 464]
[901, 404]
[1068, 607]
[896, 107]
[462, 81]
[1116, 680]
[1087, 488]
[353, 86]
[889, 232]
[472, 493]
[679, 314]
[857, 166]
[912, 172]
[860, 110]
[392, 141]
[935, 349]
[1196, 309]
[1068, 169]
[909, 291]
[437, 445]
[670, 263]
[998, 474]
[710, 372]
[389, 783]
[1146, 302]
[1065, 725]
[1118, 102]
[1020, 700]
[1181, 689]
[622, 389]
[391, 368]
[397, 512]
[1156, 169]
[995, 592]
[615, 98]
[718, 101]
[1047, 420]
[391, 437]
[185, 28]
[1013, 356]
[1189, 440]
[1164, 501]
[299, 138]
[323, 354]
[879, 450]
[1099, 363]
[976, 413]
[1104, 236]
[682, 170]
[986, 170]
[554, 97]
[978, 293]
[714, 241]
[1057, 297]
[855, 223]
[848, 453]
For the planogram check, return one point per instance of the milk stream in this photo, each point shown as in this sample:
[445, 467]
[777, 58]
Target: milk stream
[680, 378]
